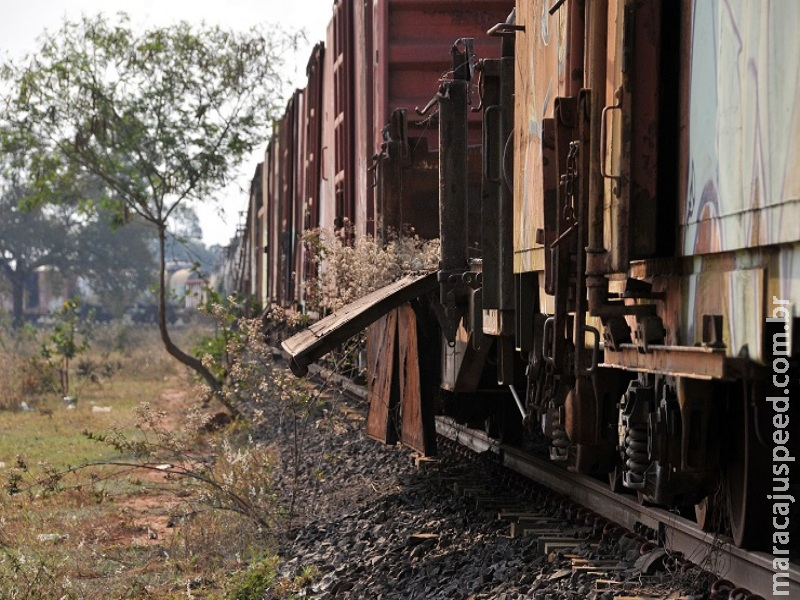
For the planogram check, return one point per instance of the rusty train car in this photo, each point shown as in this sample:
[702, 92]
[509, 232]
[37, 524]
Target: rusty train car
[329, 155]
[620, 238]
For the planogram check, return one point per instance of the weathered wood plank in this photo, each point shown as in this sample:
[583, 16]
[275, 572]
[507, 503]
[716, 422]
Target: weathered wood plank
[412, 429]
[309, 345]
[381, 343]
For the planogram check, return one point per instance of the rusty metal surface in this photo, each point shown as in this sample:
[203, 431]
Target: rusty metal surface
[540, 77]
[407, 190]
[327, 204]
[461, 364]
[363, 107]
[268, 218]
[734, 285]
[684, 361]
[294, 243]
[630, 130]
[314, 342]
[247, 260]
[343, 116]
[313, 122]
[286, 203]
[412, 44]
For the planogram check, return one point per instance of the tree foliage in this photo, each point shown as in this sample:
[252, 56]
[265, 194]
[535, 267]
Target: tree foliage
[117, 266]
[162, 117]
[71, 336]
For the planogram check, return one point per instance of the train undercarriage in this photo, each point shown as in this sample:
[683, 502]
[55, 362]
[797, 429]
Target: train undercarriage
[576, 309]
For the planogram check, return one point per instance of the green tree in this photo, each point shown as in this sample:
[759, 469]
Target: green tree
[163, 117]
[30, 239]
[70, 337]
[117, 265]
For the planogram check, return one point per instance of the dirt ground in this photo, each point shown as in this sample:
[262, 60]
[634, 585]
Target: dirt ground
[146, 517]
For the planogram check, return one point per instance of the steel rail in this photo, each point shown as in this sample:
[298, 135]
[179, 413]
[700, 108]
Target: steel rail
[714, 553]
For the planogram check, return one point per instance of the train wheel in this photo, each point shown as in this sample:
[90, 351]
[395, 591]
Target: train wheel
[748, 475]
[709, 513]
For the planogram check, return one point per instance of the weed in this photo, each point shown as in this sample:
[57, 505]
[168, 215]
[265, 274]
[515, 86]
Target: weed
[32, 575]
[262, 581]
[70, 337]
[351, 266]
[253, 583]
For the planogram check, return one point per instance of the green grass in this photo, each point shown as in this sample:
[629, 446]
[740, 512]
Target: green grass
[52, 432]
[89, 535]
[93, 515]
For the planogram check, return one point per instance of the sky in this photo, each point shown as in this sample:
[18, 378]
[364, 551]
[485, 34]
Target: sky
[22, 21]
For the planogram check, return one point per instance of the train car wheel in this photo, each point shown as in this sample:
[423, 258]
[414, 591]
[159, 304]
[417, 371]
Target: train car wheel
[748, 475]
[709, 513]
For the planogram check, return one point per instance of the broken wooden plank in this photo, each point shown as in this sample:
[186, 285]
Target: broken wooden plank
[412, 429]
[383, 397]
[311, 344]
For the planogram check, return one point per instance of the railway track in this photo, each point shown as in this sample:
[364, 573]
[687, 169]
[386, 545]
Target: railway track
[752, 571]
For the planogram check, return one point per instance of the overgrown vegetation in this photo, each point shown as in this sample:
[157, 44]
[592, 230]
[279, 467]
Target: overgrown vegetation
[70, 336]
[71, 501]
[135, 485]
[160, 119]
[351, 266]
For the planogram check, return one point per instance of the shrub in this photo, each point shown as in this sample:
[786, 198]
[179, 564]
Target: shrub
[348, 271]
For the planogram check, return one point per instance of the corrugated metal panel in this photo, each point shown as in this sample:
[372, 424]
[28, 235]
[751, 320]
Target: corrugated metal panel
[312, 158]
[380, 56]
[327, 196]
[285, 202]
[344, 73]
[313, 124]
[299, 195]
[412, 51]
[363, 114]
[272, 219]
[250, 275]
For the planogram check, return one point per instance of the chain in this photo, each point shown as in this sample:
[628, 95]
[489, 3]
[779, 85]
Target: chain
[569, 182]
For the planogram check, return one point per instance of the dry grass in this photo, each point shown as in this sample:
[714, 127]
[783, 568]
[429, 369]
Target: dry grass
[107, 532]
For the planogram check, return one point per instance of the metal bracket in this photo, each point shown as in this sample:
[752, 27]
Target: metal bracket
[618, 94]
[712, 331]
[548, 340]
[649, 332]
[615, 332]
[595, 350]
[502, 29]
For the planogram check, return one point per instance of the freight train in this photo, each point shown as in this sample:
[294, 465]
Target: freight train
[615, 185]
